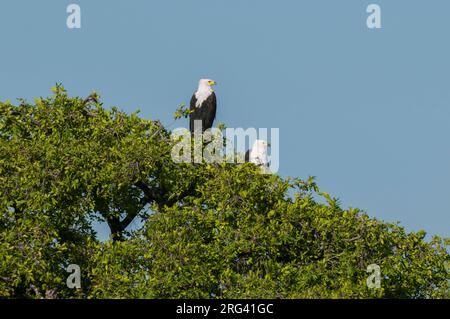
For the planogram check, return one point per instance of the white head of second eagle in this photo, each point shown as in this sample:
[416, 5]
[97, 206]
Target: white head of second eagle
[203, 105]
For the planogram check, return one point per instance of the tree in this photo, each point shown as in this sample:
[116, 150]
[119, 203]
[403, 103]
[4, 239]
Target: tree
[209, 231]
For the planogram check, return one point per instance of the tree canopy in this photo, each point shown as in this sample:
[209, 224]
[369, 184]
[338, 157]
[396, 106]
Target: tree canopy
[209, 230]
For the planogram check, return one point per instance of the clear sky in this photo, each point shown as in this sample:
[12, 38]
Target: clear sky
[366, 111]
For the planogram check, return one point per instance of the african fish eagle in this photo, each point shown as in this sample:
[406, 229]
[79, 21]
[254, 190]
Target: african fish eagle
[203, 105]
[258, 153]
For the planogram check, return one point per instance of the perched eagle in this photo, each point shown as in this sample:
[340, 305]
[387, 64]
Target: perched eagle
[203, 105]
[258, 153]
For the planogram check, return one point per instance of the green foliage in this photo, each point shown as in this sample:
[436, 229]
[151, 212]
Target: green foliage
[209, 231]
[182, 111]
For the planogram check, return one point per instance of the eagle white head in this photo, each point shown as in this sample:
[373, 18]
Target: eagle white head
[204, 90]
[206, 83]
[258, 153]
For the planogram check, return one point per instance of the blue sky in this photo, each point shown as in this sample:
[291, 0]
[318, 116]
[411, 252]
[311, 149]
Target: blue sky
[366, 111]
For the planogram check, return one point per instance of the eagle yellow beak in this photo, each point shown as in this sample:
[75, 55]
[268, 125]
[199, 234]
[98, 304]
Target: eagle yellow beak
[212, 82]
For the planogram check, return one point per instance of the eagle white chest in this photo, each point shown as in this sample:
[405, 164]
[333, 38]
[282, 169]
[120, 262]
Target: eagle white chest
[258, 156]
[202, 94]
